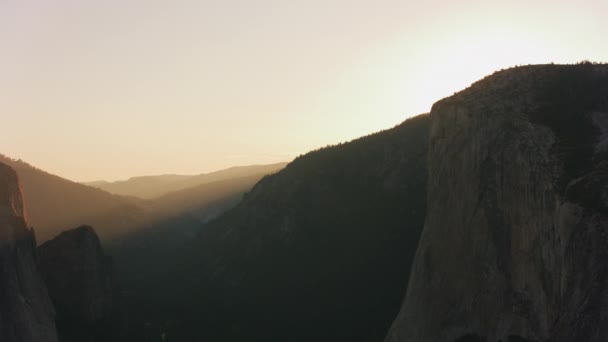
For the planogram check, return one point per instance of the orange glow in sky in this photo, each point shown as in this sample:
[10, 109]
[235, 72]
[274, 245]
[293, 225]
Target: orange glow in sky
[112, 89]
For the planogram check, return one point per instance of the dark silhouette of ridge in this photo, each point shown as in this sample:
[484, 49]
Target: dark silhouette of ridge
[26, 311]
[313, 252]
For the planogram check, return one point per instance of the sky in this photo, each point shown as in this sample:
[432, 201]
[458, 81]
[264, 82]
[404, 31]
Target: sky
[110, 89]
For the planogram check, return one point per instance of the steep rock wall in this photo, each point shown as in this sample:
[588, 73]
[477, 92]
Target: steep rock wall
[516, 234]
[26, 312]
[81, 282]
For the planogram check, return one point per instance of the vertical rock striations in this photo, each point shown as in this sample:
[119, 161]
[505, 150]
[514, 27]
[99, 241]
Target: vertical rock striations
[26, 312]
[81, 283]
[515, 244]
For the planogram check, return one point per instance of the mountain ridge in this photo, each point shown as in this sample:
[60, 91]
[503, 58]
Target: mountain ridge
[154, 186]
[303, 246]
[55, 203]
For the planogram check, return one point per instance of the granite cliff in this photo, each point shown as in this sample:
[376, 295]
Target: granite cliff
[516, 230]
[82, 285]
[26, 312]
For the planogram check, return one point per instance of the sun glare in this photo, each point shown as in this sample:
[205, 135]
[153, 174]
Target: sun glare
[274, 83]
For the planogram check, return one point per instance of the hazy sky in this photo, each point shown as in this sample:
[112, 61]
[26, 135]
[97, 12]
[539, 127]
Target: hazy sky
[109, 89]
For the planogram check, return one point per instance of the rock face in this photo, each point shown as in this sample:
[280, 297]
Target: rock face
[26, 312]
[515, 241]
[81, 283]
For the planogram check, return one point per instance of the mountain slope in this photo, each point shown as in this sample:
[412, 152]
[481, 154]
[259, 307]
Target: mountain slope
[310, 253]
[178, 217]
[55, 204]
[201, 196]
[26, 312]
[149, 187]
[514, 244]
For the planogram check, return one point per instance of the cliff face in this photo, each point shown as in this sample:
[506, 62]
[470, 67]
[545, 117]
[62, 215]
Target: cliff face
[26, 312]
[81, 283]
[514, 243]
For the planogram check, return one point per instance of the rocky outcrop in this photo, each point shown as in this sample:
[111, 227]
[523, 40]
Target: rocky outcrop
[515, 241]
[81, 283]
[26, 312]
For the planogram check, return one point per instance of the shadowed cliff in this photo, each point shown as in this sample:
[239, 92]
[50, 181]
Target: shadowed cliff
[26, 312]
[81, 283]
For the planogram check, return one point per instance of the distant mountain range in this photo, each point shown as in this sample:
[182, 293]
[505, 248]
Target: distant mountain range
[55, 204]
[148, 187]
